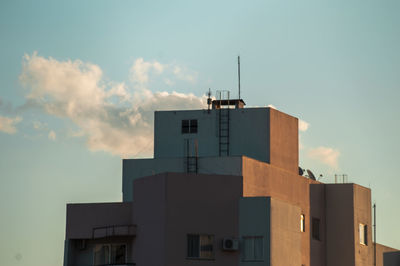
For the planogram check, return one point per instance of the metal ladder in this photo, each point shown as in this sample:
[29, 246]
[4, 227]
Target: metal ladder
[224, 119]
[191, 161]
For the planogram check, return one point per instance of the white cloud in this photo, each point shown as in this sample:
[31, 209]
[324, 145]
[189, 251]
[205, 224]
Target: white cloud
[7, 124]
[111, 118]
[303, 125]
[52, 135]
[325, 155]
[184, 74]
[141, 69]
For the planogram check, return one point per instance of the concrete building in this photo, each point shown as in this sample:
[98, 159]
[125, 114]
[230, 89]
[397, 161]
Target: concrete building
[224, 188]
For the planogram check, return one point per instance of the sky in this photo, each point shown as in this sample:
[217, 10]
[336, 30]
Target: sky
[80, 80]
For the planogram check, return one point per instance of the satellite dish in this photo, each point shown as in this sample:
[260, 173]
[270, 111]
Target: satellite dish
[301, 171]
[310, 174]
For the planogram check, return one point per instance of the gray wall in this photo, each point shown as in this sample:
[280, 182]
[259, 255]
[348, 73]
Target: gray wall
[391, 258]
[254, 220]
[136, 168]
[83, 217]
[249, 133]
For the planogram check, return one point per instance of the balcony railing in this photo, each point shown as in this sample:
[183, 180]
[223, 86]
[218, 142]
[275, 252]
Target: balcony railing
[114, 230]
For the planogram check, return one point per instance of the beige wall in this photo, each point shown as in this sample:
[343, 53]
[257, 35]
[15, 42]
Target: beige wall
[285, 234]
[362, 214]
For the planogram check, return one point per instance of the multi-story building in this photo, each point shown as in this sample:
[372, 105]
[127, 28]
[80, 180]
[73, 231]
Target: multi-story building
[225, 188]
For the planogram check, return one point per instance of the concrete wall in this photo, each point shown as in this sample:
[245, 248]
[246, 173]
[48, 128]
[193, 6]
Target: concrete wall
[83, 217]
[340, 235]
[136, 168]
[208, 204]
[261, 179]
[285, 234]
[171, 205]
[317, 210]
[264, 134]
[254, 220]
[284, 141]
[149, 205]
[362, 214]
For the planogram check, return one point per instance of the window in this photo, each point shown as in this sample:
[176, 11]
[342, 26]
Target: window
[109, 254]
[315, 229]
[200, 246]
[253, 248]
[363, 231]
[302, 223]
[189, 126]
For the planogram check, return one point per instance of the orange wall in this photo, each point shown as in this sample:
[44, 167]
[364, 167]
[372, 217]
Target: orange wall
[284, 141]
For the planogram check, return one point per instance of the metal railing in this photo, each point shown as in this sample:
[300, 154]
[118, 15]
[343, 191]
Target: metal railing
[114, 230]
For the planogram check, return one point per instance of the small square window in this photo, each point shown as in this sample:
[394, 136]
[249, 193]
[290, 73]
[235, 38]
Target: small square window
[302, 223]
[363, 231]
[253, 249]
[189, 126]
[315, 229]
[200, 246]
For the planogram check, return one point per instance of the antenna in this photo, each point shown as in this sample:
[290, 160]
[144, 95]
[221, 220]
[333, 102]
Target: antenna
[209, 99]
[239, 73]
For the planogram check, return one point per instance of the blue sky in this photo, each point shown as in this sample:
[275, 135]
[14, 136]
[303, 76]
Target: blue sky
[79, 81]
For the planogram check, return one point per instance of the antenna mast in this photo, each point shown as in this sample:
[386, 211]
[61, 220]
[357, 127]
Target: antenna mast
[239, 73]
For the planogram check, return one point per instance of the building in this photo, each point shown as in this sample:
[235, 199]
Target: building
[224, 188]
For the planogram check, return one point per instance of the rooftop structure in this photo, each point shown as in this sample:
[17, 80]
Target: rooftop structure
[224, 188]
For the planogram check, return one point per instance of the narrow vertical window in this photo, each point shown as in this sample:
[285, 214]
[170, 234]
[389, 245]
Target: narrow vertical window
[200, 246]
[185, 126]
[315, 229]
[302, 223]
[363, 231]
[253, 249]
[193, 126]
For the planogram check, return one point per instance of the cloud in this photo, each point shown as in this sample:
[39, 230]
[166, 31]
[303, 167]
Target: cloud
[52, 135]
[107, 114]
[325, 155]
[303, 125]
[141, 69]
[7, 124]
[142, 72]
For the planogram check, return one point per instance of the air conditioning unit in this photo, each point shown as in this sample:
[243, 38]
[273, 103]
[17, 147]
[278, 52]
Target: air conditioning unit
[230, 244]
